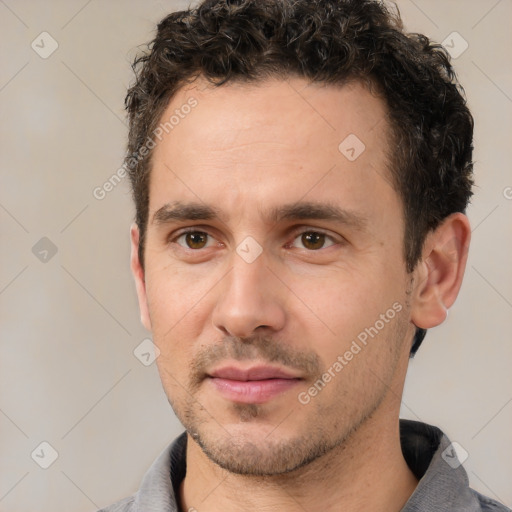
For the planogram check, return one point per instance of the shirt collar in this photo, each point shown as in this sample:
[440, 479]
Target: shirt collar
[443, 482]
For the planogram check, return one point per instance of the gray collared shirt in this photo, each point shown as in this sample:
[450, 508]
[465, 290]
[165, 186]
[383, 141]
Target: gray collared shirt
[443, 482]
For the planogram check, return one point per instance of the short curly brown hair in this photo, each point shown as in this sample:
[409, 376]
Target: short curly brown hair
[326, 41]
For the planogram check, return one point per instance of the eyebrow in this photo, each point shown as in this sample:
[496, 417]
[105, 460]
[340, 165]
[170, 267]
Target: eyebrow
[300, 210]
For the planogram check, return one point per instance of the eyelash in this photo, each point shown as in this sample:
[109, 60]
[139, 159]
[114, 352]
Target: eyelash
[296, 235]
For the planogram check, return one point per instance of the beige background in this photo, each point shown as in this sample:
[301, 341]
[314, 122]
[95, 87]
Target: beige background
[69, 325]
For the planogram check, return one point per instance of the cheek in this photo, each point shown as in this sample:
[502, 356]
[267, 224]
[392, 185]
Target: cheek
[179, 302]
[346, 307]
[173, 290]
[339, 302]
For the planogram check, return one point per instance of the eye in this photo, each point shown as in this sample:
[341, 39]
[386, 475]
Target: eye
[312, 240]
[194, 240]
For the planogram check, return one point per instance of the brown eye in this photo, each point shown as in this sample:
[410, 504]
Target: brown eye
[313, 240]
[193, 240]
[196, 239]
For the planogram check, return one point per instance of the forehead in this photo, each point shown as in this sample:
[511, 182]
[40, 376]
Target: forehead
[259, 141]
[275, 109]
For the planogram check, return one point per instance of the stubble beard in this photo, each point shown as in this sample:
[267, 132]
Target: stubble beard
[267, 455]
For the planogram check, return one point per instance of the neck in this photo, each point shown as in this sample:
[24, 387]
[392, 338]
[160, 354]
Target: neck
[368, 472]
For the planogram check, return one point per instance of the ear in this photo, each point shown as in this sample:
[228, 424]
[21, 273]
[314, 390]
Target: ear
[439, 273]
[138, 274]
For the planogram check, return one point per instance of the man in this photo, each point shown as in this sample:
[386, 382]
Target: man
[300, 171]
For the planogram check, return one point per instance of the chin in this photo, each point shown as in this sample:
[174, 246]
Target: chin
[254, 450]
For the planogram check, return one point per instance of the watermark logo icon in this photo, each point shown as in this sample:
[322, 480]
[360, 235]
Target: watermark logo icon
[44, 45]
[454, 455]
[44, 455]
[351, 147]
[455, 44]
[249, 249]
[146, 352]
[44, 250]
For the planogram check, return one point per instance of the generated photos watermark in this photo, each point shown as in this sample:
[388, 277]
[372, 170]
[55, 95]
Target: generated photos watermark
[357, 345]
[130, 163]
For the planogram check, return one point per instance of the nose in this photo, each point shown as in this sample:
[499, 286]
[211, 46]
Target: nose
[250, 298]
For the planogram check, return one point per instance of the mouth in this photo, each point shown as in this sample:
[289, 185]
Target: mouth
[255, 385]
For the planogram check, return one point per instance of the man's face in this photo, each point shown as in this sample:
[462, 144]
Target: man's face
[283, 316]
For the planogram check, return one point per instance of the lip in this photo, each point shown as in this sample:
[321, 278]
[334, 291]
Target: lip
[252, 373]
[255, 385]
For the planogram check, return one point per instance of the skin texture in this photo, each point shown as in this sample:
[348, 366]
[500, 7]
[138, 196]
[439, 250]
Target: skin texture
[246, 150]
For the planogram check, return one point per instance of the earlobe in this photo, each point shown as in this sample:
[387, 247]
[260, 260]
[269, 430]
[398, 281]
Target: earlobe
[138, 275]
[439, 273]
